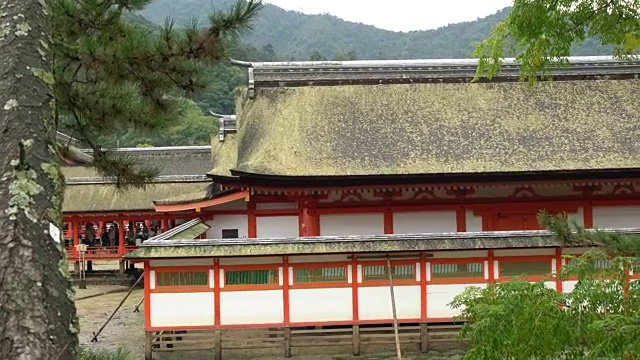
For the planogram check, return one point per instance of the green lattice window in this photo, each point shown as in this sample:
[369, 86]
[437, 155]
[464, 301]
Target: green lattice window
[446, 271]
[182, 278]
[319, 275]
[251, 277]
[380, 272]
[528, 268]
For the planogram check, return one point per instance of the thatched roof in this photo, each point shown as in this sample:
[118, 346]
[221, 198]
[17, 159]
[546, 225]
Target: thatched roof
[199, 194]
[224, 155]
[179, 160]
[105, 197]
[439, 128]
[188, 248]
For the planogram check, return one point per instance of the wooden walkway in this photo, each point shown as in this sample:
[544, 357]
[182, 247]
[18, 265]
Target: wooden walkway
[422, 337]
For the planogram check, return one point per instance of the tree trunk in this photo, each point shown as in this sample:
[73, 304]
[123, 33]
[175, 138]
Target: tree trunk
[37, 313]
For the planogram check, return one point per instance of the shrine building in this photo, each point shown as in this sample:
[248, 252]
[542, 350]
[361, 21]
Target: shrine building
[93, 200]
[331, 169]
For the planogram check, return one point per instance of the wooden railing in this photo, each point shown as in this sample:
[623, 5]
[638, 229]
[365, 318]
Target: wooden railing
[100, 252]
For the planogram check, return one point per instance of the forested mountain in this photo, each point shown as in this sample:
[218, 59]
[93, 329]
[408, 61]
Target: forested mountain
[294, 35]
[286, 35]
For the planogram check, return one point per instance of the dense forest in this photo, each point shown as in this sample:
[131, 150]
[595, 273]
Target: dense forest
[294, 35]
[288, 35]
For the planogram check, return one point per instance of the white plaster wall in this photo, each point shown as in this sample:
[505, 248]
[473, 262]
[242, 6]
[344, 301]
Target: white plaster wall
[550, 284]
[439, 297]
[578, 217]
[220, 222]
[424, 222]
[185, 262]
[251, 260]
[278, 206]
[315, 305]
[351, 224]
[317, 258]
[374, 303]
[567, 286]
[277, 226]
[251, 307]
[612, 217]
[525, 252]
[182, 309]
[474, 223]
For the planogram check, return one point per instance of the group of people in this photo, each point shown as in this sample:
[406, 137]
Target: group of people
[109, 235]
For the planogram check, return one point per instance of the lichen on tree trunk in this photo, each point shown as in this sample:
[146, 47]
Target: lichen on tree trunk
[37, 313]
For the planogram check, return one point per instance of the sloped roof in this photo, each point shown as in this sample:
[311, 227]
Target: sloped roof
[435, 128]
[392, 243]
[92, 197]
[224, 155]
[189, 230]
[179, 160]
[182, 178]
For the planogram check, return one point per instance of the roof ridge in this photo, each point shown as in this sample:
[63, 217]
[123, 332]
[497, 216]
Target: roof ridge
[370, 72]
[160, 179]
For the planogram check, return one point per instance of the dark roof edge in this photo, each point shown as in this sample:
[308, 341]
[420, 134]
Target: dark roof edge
[158, 180]
[159, 149]
[410, 179]
[368, 72]
[407, 63]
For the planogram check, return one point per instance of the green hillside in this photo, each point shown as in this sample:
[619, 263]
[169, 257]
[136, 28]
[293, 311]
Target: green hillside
[294, 35]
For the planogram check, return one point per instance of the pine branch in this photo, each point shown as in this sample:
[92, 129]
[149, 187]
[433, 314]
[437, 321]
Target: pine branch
[572, 234]
[112, 75]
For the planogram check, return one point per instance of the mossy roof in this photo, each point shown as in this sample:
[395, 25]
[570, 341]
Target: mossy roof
[105, 197]
[199, 194]
[169, 162]
[438, 128]
[342, 244]
[224, 155]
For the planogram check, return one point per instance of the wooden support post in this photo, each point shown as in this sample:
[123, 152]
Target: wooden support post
[393, 309]
[148, 343]
[287, 342]
[424, 337]
[75, 231]
[121, 240]
[122, 268]
[356, 340]
[217, 335]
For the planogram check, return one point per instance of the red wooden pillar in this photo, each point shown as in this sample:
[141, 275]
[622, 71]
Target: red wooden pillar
[285, 289]
[461, 219]
[252, 231]
[216, 292]
[558, 269]
[423, 287]
[121, 237]
[309, 223]
[388, 221]
[587, 216]
[75, 231]
[354, 288]
[164, 224]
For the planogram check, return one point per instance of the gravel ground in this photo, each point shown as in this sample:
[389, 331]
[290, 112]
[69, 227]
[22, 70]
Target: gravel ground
[126, 330]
